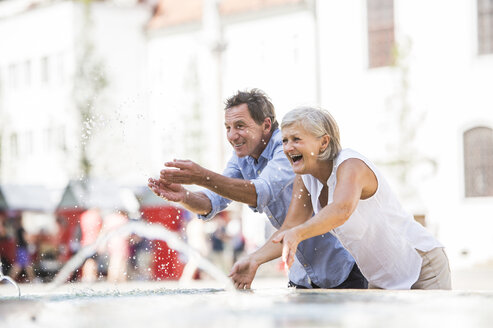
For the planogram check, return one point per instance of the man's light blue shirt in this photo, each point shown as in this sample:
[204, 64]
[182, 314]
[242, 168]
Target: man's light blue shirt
[321, 259]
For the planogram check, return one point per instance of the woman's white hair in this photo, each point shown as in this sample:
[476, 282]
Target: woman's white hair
[318, 122]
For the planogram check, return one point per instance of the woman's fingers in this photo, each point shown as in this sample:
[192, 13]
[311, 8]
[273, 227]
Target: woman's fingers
[278, 238]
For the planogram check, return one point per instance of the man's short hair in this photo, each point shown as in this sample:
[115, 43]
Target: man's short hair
[258, 103]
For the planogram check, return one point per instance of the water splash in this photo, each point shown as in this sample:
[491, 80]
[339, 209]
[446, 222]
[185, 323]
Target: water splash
[154, 232]
[7, 278]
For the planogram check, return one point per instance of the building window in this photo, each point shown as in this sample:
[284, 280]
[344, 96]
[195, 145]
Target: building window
[61, 138]
[60, 68]
[485, 27]
[14, 150]
[45, 70]
[380, 15]
[13, 78]
[48, 139]
[27, 72]
[29, 143]
[478, 162]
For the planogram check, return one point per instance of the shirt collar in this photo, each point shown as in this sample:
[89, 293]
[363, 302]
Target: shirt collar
[271, 145]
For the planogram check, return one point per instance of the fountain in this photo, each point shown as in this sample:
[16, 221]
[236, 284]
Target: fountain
[59, 304]
[7, 278]
[149, 231]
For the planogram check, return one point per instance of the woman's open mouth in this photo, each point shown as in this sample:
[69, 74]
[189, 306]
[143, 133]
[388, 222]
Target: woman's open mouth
[296, 158]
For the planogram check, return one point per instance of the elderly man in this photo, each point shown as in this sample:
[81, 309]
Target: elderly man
[259, 175]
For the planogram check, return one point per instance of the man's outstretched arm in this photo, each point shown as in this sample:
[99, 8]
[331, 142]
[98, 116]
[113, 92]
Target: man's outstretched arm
[196, 202]
[188, 172]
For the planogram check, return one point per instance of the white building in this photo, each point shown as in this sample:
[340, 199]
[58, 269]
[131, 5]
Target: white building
[407, 81]
[41, 47]
[443, 81]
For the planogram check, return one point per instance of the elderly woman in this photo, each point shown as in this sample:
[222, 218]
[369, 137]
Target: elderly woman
[351, 199]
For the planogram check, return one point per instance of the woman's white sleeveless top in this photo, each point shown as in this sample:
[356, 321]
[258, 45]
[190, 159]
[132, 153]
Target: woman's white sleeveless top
[380, 235]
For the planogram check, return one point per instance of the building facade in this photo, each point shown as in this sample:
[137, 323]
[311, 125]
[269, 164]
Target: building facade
[408, 82]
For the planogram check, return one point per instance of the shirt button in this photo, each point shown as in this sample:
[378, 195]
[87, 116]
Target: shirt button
[304, 264]
[258, 172]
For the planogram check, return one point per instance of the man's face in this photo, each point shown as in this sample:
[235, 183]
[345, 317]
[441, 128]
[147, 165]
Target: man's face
[244, 134]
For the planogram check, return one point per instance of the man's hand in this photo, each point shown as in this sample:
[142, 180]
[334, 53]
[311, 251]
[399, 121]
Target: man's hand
[169, 191]
[184, 172]
[290, 239]
[243, 272]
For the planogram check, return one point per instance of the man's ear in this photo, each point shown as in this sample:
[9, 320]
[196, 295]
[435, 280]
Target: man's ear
[267, 124]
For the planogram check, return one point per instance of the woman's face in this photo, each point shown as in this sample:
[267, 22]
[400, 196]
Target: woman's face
[302, 148]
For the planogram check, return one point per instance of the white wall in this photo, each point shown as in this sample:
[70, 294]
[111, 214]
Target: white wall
[32, 107]
[156, 85]
[448, 84]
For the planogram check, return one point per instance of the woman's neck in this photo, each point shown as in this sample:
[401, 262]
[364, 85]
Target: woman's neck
[323, 170]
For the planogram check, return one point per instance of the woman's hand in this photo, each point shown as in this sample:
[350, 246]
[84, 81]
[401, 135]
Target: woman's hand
[290, 239]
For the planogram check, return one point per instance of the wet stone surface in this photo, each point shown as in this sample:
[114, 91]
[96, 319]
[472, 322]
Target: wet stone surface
[161, 305]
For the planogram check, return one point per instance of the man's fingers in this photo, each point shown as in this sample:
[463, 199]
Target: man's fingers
[170, 174]
[177, 163]
[233, 271]
[173, 176]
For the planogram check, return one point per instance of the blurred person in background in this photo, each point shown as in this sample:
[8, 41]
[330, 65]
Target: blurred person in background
[44, 254]
[117, 247]
[22, 269]
[140, 257]
[218, 239]
[237, 239]
[196, 238]
[7, 247]
[259, 175]
[90, 226]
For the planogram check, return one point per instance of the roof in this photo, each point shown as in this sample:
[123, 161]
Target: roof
[28, 198]
[97, 193]
[176, 12]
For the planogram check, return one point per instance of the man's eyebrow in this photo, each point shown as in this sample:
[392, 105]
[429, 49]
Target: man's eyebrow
[235, 123]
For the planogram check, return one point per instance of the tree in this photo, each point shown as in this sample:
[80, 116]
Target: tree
[90, 81]
[405, 160]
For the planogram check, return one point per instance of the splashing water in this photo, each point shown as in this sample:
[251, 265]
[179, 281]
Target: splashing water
[7, 278]
[148, 231]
